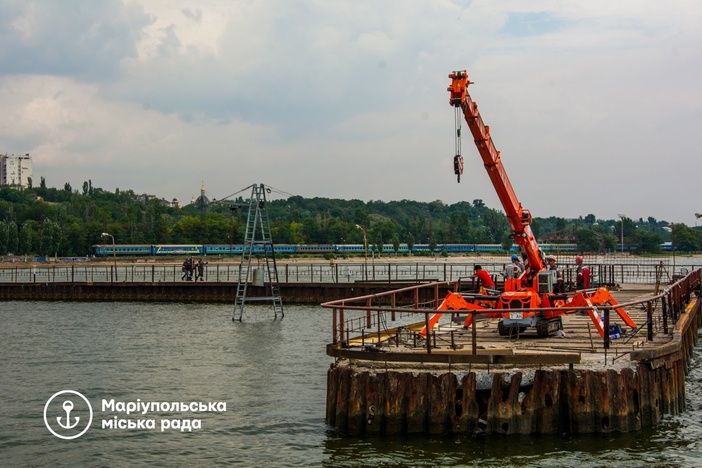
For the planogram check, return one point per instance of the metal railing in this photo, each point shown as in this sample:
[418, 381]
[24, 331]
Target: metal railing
[333, 272]
[361, 323]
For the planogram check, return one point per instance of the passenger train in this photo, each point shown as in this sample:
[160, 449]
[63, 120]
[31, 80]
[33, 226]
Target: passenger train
[143, 250]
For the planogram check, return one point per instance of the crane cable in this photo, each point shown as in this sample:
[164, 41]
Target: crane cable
[458, 159]
[269, 188]
[280, 192]
[234, 194]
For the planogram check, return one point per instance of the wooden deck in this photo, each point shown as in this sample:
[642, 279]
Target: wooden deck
[578, 343]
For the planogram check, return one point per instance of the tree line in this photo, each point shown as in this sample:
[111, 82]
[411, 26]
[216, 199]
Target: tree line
[66, 222]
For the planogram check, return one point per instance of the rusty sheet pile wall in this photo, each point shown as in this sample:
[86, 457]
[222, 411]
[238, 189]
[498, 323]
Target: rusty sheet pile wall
[365, 397]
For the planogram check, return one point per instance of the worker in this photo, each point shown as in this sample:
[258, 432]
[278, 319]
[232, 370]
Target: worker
[582, 274]
[525, 260]
[552, 264]
[517, 262]
[513, 269]
[484, 278]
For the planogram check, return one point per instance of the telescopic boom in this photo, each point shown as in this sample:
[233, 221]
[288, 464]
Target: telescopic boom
[518, 217]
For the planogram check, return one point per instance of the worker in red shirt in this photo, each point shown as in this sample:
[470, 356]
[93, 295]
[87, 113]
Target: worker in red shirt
[582, 272]
[483, 277]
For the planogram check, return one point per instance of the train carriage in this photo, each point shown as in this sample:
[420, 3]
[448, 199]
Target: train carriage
[120, 250]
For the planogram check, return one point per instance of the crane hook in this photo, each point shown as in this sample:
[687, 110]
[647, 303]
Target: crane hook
[458, 166]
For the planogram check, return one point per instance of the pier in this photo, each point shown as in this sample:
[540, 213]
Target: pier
[300, 282]
[387, 378]
[211, 292]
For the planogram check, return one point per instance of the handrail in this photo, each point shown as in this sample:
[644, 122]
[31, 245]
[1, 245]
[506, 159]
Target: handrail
[385, 271]
[374, 331]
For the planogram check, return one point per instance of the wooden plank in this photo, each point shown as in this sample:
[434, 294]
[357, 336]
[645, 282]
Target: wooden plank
[456, 357]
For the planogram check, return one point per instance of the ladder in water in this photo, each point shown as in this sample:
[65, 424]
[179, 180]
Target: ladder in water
[258, 240]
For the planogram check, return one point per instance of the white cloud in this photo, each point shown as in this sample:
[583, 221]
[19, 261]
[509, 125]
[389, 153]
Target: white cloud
[596, 108]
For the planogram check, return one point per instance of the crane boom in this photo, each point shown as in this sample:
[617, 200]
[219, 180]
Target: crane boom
[523, 304]
[531, 300]
[518, 217]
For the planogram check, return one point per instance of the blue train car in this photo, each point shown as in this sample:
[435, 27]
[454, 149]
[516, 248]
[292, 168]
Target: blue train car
[315, 248]
[457, 248]
[223, 249]
[559, 247]
[237, 249]
[178, 249]
[348, 248]
[108, 250]
[402, 248]
[286, 248]
[105, 250]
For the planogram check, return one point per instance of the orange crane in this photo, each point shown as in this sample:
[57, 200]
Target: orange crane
[534, 288]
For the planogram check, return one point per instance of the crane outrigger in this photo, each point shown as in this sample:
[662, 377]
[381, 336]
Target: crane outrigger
[534, 287]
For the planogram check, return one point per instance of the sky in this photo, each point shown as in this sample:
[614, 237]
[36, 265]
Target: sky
[595, 106]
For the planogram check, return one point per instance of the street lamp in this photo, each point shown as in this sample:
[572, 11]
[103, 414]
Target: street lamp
[621, 216]
[672, 245]
[365, 252]
[114, 254]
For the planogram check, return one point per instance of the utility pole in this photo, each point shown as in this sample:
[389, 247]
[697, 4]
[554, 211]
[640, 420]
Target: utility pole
[621, 216]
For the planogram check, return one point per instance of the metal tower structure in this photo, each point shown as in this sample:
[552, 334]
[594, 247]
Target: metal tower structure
[258, 240]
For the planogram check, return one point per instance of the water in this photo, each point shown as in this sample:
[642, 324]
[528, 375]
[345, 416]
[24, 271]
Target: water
[272, 376]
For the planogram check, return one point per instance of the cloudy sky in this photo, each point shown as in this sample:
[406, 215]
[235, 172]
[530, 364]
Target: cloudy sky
[596, 106]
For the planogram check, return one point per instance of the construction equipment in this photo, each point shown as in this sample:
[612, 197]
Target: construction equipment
[257, 238]
[534, 287]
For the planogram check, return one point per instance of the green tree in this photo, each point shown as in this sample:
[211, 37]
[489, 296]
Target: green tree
[507, 243]
[646, 241]
[685, 239]
[587, 240]
[49, 238]
[3, 238]
[496, 225]
[432, 245]
[27, 235]
[12, 238]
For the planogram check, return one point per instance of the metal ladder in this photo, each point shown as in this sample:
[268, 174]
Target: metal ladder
[257, 221]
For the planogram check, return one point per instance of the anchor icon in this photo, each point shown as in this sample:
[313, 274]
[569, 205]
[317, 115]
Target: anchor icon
[77, 402]
[68, 407]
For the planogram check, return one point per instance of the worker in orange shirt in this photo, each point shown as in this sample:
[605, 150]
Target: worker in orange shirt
[484, 278]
